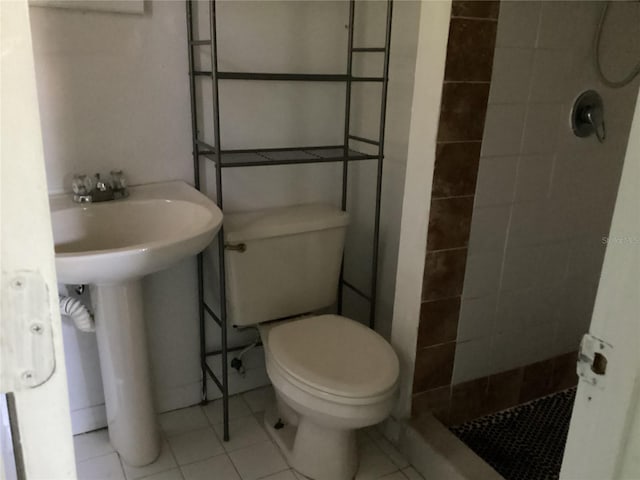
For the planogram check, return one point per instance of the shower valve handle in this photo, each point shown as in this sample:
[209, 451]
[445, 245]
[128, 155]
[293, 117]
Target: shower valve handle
[595, 117]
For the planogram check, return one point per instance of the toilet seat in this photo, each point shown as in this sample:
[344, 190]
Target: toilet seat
[333, 356]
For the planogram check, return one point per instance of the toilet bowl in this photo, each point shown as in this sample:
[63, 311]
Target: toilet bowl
[332, 375]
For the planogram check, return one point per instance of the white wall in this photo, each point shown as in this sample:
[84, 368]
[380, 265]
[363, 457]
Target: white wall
[544, 198]
[114, 93]
[404, 40]
[429, 72]
[106, 83]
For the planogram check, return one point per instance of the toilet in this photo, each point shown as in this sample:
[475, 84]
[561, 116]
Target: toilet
[331, 375]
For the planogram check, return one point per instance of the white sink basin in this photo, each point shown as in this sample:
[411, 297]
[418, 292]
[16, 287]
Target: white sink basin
[111, 246]
[156, 226]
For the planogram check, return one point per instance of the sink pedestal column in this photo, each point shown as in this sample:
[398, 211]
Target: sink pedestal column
[124, 363]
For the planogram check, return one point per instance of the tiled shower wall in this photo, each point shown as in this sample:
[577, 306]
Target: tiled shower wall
[465, 94]
[511, 272]
[544, 198]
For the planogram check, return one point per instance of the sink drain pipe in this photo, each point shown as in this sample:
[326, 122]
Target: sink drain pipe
[78, 312]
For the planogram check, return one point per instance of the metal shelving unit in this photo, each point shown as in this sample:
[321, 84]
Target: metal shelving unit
[222, 159]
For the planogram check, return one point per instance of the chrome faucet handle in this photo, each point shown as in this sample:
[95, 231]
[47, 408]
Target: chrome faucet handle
[119, 184]
[81, 184]
[118, 180]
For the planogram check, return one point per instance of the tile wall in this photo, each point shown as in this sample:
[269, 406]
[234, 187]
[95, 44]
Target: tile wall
[544, 198]
[521, 207]
[455, 404]
[465, 96]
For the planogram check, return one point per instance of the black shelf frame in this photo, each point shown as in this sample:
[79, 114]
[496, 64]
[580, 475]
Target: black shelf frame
[290, 155]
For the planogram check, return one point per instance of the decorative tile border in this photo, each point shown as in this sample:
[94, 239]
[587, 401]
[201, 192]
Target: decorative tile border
[470, 51]
[466, 87]
[455, 404]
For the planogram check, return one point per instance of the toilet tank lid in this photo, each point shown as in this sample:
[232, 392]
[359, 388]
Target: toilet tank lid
[276, 222]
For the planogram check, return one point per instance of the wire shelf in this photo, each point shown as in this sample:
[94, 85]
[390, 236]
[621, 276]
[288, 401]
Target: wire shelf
[291, 77]
[285, 156]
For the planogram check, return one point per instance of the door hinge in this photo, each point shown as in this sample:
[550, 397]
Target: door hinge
[592, 360]
[27, 357]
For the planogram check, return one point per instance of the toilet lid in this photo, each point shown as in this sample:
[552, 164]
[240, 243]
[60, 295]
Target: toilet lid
[335, 355]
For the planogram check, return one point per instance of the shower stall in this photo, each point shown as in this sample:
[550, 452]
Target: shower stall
[521, 206]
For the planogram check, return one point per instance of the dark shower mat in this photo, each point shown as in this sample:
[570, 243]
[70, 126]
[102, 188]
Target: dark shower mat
[525, 442]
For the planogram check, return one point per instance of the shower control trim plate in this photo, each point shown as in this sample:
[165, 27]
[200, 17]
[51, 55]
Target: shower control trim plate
[592, 360]
[587, 116]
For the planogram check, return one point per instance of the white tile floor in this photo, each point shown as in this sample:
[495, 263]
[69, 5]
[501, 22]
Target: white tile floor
[192, 448]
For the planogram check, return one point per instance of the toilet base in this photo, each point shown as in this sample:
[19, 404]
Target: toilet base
[315, 451]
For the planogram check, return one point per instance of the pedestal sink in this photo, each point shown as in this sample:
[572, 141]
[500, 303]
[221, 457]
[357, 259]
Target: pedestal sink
[111, 246]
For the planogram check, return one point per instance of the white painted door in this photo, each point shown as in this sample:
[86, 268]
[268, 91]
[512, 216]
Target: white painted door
[32, 359]
[604, 437]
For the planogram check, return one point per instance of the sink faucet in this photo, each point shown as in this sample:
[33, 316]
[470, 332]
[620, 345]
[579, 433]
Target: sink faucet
[87, 190]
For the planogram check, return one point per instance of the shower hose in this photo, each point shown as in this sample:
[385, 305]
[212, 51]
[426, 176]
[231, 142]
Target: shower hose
[610, 83]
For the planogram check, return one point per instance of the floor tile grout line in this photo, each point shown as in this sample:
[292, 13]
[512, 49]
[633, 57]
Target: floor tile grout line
[272, 473]
[121, 463]
[223, 452]
[415, 472]
[230, 419]
[92, 432]
[96, 456]
[204, 459]
[288, 469]
[177, 467]
[234, 466]
[175, 461]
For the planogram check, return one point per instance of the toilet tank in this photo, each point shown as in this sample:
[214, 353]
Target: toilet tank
[282, 261]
